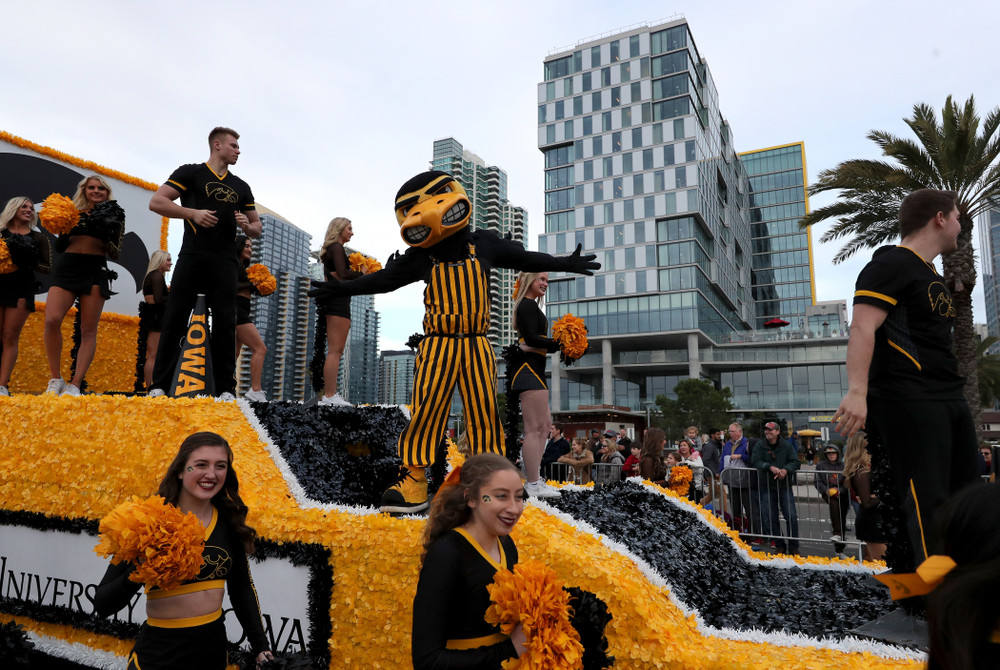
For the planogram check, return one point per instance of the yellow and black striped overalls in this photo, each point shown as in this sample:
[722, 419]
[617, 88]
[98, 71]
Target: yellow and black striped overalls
[455, 350]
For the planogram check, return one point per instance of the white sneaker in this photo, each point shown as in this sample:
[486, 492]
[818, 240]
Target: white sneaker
[540, 489]
[336, 400]
[155, 393]
[836, 539]
[226, 397]
[4, 392]
[256, 396]
[71, 390]
[55, 386]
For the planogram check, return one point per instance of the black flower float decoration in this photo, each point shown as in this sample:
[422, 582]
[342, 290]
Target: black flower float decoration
[727, 590]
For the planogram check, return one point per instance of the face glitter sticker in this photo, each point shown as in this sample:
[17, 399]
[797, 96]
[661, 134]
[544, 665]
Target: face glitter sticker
[487, 499]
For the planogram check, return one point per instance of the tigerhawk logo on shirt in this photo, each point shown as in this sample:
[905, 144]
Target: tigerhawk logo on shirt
[940, 300]
[221, 192]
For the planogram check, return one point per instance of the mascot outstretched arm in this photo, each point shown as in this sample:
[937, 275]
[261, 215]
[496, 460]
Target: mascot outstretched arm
[455, 262]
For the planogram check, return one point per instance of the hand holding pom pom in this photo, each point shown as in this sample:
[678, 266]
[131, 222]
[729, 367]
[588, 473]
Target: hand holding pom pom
[58, 214]
[164, 543]
[357, 260]
[262, 279]
[571, 334]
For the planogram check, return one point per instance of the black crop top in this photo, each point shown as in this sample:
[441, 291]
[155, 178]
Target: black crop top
[155, 285]
[335, 261]
[224, 562]
[532, 326]
[451, 604]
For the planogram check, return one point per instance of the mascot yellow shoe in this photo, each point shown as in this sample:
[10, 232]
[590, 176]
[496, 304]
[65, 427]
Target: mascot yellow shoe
[409, 496]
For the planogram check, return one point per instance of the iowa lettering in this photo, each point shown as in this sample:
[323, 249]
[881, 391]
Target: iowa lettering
[940, 299]
[287, 639]
[193, 358]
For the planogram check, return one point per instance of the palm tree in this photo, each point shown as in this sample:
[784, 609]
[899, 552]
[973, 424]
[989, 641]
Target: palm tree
[988, 367]
[958, 153]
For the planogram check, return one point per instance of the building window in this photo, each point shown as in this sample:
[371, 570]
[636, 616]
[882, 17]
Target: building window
[605, 76]
[625, 71]
[578, 105]
[588, 125]
[647, 159]
[597, 145]
[638, 184]
[616, 141]
[627, 117]
[568, 86]
[633, 46]
[595, 56]
[616, 96]
[626, 163]
[595, 101]
[636, 137]
[588, 170]
[615, 55]
[586, 82]
[668, 155]
[680, 177]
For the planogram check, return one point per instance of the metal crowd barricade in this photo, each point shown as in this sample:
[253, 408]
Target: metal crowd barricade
[813, 510]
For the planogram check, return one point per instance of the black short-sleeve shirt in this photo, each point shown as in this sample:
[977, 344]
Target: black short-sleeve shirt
[201, 188]
[912, 357]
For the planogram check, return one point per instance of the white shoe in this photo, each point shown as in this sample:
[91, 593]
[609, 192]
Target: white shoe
[55, 386]
[4, 392]
[255, 396]
[71, 389]
[540, 489]
[226, 397]
[155, 393]
[836, 539]
[336, 400]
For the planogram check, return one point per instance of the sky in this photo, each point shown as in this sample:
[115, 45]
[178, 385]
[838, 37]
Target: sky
[339, 103]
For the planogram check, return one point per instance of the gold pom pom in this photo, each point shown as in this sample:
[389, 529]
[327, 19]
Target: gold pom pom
[571, 334]
[357, 260]
[533, 596]
[58, 214]
[6, 264]
[262, 279]
[680, 480]
[164, 543]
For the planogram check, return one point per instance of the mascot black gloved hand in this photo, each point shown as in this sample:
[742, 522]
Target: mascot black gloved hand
[433, 214]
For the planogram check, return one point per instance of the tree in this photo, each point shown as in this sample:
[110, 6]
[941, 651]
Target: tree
[698, 403]
[988, 368]
[959, 154]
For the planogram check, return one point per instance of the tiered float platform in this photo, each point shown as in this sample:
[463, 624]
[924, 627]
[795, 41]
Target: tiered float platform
[337, 579]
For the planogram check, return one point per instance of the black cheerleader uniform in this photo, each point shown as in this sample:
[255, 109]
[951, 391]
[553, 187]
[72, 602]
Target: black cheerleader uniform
[151, 313]
[449, 628]
[531, 324]
[194, 642]
[242, 301]
[336, 265]
[30, 253]
[77, 273]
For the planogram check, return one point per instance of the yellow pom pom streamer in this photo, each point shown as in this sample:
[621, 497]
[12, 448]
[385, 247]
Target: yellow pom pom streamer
[533, 596]
[262, 279]
[6, 264]
[357, 260]
[571, 334]
[58, 214]
[164, 543]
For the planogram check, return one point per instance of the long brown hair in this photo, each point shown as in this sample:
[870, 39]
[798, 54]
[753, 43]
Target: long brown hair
[227, 500]
[450, 508]
[855, 452]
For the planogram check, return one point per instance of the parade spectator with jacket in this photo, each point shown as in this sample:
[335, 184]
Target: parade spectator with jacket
[832, 486]
[776, 462]
[580, 458]
[740, 480]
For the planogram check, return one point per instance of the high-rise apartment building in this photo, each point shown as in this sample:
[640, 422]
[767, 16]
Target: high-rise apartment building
[782, 274]
[486, 186]
[989, 246]
[285, 317]
[698, 246]
[395, 377]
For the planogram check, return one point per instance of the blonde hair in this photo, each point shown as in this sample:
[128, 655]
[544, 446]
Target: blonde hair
[333, 231]
[80, 199]
[524, 282]
[10, 210]
[156, 260]
[856, 454]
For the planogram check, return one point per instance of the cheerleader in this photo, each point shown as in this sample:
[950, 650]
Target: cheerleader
[29, 251]
[246, 332]
[80, 271]
[154, 302]
[466, 540]
[184, 626]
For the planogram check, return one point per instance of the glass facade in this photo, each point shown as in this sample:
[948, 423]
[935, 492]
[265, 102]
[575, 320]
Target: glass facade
[782, 270]
[395, 386]
[486, 186]
[989, 243]
[699, 246]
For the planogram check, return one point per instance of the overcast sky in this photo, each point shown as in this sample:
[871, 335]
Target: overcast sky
[338, 103]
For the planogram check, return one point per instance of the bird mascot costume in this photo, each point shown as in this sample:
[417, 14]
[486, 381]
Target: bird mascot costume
[454, 261]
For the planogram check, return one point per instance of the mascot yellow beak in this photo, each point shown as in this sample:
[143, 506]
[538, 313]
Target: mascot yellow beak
[431, 207]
